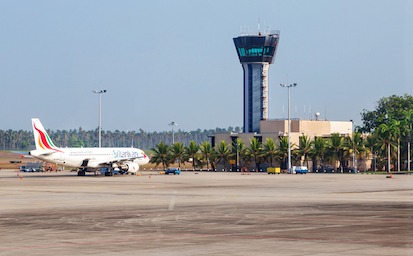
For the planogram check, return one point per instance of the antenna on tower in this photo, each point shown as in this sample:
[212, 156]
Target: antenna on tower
[259, 32]
[317, 114]
[304, 117]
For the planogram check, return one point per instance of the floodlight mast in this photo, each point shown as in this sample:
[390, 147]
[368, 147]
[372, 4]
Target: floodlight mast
[100, 114]
[289, 125]
[173, 134]
[354, 146]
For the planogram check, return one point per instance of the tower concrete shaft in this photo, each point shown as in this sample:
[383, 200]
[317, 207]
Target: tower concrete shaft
[255, 95]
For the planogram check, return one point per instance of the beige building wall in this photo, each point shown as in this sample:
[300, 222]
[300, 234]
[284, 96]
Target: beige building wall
[310, 128]
[343, 127]
[278, 128]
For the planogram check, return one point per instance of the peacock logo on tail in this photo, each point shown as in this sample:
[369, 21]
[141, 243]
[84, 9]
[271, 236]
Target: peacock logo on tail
[42, 139]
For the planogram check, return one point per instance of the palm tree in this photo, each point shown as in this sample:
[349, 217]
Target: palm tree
[283, 152]
[319, 151]
[178, 153]
[270, 150]
[397, 132]
[191, 152]
[372, 142]
[387, 134]
[361, 147]
[206, 152]
[335, 146]
[161, 155]
[255, 151]
[407, 131]
[304, 148]
[223, 153]
[348, 150]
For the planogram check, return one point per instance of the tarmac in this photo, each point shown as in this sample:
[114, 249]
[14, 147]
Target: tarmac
[200, 213]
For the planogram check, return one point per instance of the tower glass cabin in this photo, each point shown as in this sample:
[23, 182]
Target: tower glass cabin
[256, 53]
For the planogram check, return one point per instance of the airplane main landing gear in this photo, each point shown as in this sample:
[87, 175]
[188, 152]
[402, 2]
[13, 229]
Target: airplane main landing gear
[109, 173]
[81, 172]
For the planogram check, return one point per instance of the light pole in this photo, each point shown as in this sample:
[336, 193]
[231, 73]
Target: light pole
[289, 124]
[237, 154]
[173, 135]
[354, 148]
[100, 114]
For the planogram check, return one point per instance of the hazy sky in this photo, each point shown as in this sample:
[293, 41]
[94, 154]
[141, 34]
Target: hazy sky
[164, 61]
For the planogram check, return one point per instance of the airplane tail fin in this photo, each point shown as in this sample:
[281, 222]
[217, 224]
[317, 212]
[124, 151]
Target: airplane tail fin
[41, 138]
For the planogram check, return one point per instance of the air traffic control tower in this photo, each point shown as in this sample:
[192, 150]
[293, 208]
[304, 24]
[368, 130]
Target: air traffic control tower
[256, 53]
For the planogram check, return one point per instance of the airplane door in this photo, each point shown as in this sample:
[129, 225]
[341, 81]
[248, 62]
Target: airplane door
[61, 157]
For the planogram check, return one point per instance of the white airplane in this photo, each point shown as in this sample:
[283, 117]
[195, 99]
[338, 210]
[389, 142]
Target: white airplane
[86, 159]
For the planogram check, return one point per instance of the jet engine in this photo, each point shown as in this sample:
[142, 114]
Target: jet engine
[131, 167]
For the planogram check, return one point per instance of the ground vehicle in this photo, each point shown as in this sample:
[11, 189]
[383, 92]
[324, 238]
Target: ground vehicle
[115, 171]
[273, 170]
[173, 170]
[300, 169]
[32, 167]
[325, 169]
[23, 168]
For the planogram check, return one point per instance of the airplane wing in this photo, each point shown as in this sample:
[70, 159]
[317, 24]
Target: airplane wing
[113, 160]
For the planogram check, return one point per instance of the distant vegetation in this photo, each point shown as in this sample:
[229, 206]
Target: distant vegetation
[23, 140]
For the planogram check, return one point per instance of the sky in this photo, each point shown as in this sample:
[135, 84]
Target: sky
[163, 61]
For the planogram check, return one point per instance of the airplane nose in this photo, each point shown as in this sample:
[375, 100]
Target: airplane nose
[146, 157]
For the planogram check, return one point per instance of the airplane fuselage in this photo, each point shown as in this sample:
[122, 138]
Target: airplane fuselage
[90, 157]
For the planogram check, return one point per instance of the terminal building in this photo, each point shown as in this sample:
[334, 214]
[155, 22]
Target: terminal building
[256, 53]
[278, 128]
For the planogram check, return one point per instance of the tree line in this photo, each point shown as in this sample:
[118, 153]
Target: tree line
[238, 155]
[23, 140]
